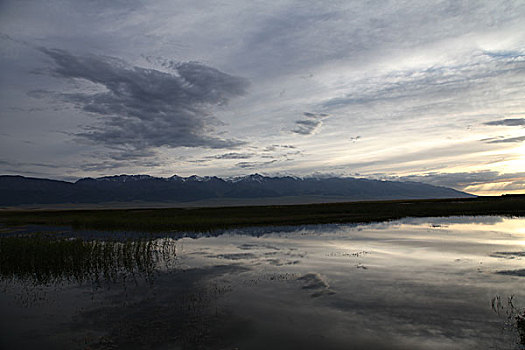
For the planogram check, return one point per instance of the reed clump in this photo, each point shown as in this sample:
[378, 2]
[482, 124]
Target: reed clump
[44, 260]
[514, 316]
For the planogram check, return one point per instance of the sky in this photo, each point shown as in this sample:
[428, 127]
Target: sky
[429, 91]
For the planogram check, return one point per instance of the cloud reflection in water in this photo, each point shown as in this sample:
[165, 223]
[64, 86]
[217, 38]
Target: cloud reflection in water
[413, 283]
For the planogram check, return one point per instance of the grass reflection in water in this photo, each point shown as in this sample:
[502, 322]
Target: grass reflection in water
[514, 317]
[43, 260]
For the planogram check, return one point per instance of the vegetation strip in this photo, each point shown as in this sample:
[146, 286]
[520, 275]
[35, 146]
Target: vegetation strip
[210, 219]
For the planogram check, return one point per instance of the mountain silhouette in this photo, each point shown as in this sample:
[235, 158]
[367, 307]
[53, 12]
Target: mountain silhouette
[19, 190]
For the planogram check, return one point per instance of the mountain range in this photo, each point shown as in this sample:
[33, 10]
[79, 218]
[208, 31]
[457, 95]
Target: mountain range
[20, 190]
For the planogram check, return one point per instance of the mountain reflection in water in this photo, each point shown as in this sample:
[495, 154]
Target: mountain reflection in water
[426, 283]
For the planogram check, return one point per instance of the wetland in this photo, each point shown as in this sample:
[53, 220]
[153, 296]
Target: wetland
[413, 283]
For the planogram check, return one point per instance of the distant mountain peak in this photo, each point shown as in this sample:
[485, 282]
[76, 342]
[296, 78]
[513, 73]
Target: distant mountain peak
[250, 178]
[119, 178]
[196, 178]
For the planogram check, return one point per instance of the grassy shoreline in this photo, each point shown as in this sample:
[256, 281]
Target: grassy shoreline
[207, 219]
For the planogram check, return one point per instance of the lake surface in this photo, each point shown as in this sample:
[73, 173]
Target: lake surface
[426, 283]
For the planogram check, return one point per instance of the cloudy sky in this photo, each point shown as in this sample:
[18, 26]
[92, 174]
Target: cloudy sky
[430, 91]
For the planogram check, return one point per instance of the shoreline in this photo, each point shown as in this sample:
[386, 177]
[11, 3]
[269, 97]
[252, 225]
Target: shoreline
[206, 219]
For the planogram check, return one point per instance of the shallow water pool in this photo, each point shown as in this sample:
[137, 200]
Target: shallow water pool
[426, 283]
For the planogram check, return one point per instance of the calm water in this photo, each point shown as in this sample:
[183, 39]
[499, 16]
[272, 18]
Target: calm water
[449, 283]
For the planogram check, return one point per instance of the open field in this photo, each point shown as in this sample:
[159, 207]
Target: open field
[209, 219]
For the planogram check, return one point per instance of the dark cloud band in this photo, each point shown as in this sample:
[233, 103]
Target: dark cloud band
[147, 108]
[508, 122]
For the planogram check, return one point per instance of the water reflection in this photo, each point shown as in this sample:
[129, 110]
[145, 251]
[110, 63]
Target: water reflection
[413, 283]
[514, 317]
[39, 260]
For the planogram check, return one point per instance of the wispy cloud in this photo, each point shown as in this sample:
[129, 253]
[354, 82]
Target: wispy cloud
[255, 165]
[232, 155]
[429, 84]
[506, 140]
[272, 148]
[508, 122]
[464, 180]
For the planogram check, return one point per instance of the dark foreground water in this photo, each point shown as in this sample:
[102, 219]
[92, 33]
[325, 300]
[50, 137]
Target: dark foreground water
[449, 283]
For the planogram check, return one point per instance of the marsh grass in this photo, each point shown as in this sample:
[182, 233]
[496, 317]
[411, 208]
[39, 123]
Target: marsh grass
[514, 317]
[43, 260]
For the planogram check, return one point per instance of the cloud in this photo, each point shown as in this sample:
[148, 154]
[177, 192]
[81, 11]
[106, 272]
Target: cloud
[508, 122]
[36, 169]
[272, 148]
[120, 158]
[255, 165]
[115, 163]
[28, 164]
[505, 140]
[142, 109]
[232, 155]
[198, 161]
[315, 115]
[310, 125]
[405, 78]
[513, 54]
[463, 180]
[306, 127]
[130, 154]
[468, 85]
